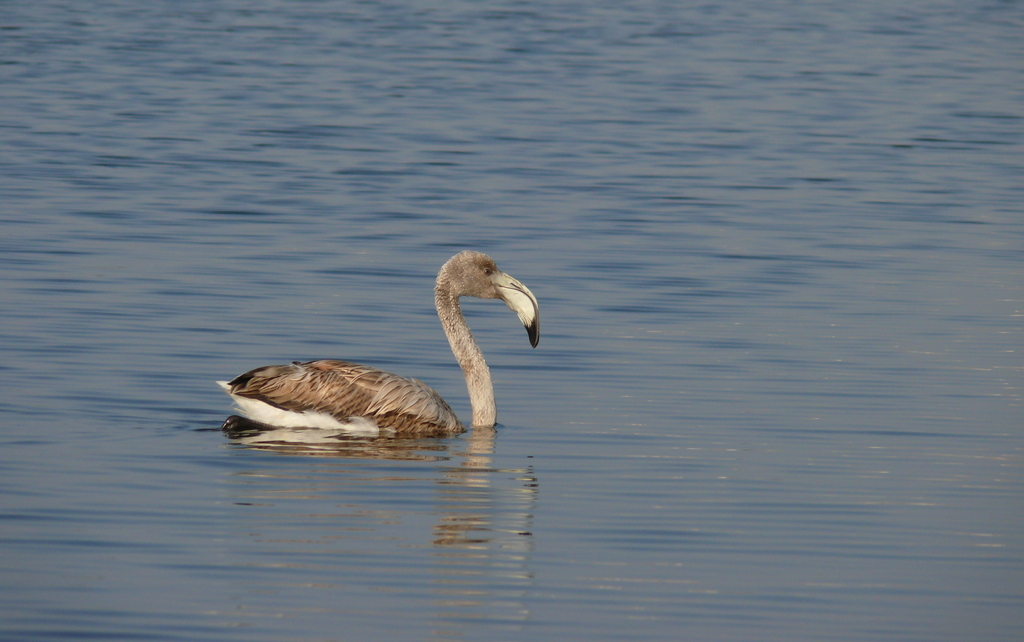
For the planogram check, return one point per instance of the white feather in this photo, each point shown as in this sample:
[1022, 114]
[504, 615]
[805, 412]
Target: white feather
[267, 414]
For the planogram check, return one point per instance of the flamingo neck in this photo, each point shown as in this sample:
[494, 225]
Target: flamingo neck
[467, 353]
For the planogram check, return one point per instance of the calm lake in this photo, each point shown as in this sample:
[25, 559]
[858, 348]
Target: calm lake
[779, 254]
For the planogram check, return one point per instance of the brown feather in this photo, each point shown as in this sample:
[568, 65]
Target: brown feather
[343, 390]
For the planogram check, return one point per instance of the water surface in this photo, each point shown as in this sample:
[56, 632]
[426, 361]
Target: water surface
[778, 251]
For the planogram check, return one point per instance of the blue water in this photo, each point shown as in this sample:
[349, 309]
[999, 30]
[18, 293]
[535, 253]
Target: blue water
[778, 252]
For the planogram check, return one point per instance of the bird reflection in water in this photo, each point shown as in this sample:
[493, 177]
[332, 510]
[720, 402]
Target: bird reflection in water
[325, 442]
[482, 537]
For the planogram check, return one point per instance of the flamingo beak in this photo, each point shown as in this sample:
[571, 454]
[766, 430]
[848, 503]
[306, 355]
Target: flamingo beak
[520, 300]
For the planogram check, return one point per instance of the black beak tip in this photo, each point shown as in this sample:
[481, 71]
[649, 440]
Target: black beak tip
[533, 330]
